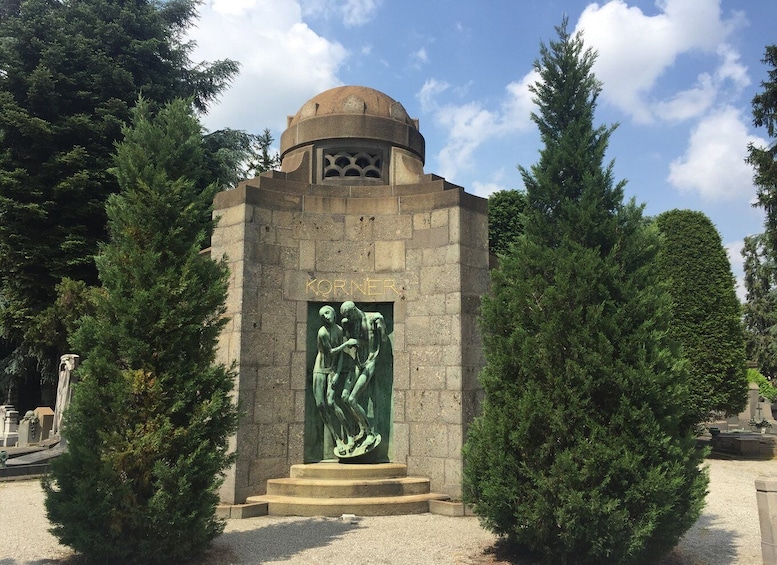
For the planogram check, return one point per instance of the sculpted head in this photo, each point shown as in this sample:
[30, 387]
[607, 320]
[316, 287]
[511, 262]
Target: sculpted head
[349, 312]
[327, 314]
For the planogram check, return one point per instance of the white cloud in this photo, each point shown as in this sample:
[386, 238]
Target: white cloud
[283, 61]
[731, 68]
[353, 13]
[469, 125]
[734, 251]
[709, 88]
[485, 189]
[420, 57]
[713, 165]
[429, 92]
[688, 103]
[635, 50]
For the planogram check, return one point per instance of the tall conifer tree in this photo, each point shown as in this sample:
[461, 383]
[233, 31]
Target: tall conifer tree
[707, 316]
[580, 453]
[760, 251]
[148, 426]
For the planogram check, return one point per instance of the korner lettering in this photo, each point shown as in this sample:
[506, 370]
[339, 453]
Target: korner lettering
[328, 288]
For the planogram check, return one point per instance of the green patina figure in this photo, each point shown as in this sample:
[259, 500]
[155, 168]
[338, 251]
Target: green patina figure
[326, 378]
[364, 334]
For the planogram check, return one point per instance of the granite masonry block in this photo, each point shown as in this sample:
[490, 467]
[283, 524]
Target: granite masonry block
[450, 406]
[266, 468]
[389, 228]
[431, 304]
[274, 378]
[307, 255]
[274, 407]
[440, 218]
[299, 405]
[350, 258]
[319, 227]
[399, 443]
[399, 405]
[440, 279]
[296, 444]
[239, 215]
[425, 356]
[290, 257]
[435, 256]
[422, 406]
[389, 256]
[273, 441]
[422, 221]
[299, 370]
[432, 468]
[429, 238]
[257, 348]
[324, 205]
[428, 439]
[277, 324]
[248, 440]
[453, 377]
[263, 254]
[452, 483]
[401, 370]
[360, 228]
[455, 440]
[430, 377]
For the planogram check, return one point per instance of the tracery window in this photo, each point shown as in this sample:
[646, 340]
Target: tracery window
[343, 163]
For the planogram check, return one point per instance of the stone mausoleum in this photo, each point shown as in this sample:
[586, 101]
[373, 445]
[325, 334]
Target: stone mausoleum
[351, 217]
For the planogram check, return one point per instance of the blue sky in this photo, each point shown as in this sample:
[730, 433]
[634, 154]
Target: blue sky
[678, 76]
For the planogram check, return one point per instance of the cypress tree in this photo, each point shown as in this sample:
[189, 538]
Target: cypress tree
[148, 426]
[505, 218]
[707, 316]
[580, 454]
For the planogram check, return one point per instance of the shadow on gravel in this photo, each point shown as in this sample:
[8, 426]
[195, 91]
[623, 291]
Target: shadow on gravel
[275, 542]
[704, 544]
[707, 543]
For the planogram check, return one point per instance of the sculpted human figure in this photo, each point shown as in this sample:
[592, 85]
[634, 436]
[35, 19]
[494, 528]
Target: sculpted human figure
[326, 374]
[364, 334]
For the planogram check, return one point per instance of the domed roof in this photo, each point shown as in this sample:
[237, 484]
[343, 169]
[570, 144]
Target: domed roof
[358, 100]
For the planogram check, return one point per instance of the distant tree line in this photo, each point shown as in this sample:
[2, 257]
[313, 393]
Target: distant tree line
[71, 73]
[760, 250]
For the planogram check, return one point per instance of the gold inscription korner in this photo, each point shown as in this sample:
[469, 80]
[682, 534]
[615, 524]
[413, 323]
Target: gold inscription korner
[349, 287]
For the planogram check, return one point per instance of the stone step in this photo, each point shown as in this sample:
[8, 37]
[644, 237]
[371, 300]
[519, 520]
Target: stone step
[345, 488]
[356, 471]
[368, 506]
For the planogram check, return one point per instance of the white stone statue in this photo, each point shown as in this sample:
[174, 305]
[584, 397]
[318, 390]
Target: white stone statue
[67, 364]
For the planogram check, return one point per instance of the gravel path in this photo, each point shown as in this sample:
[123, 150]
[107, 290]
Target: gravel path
[727, 533]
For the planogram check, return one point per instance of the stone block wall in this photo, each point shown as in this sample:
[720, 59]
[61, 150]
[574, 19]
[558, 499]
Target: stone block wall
[288, 244]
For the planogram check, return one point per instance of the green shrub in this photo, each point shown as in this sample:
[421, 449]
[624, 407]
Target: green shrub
[148, 425]
[765, 387]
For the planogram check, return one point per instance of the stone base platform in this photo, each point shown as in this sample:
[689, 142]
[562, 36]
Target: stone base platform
[333, 489]
[745, 445]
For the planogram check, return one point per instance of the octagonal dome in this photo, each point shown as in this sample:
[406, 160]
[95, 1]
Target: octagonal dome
[356, 100]
[353, 135]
